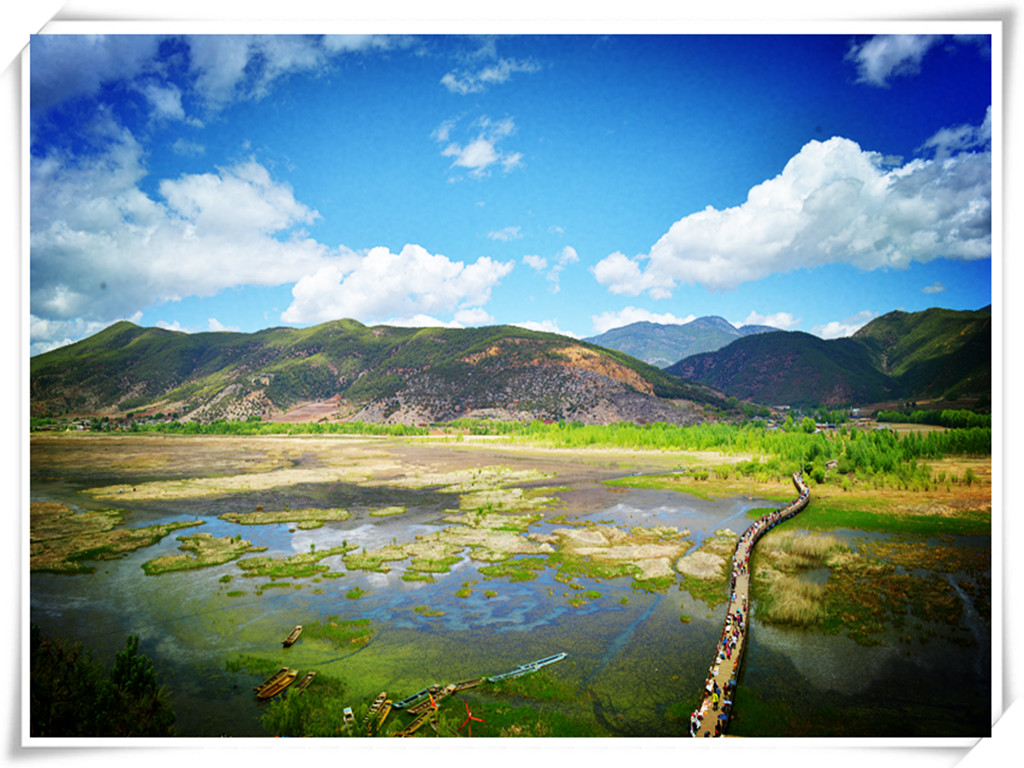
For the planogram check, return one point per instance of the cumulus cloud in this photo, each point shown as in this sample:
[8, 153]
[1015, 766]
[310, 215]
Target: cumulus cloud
[464, 82]
[832, 203]
[961, 138]
[784, 321]
[72, 66]
[217, 325]
[884, 56]
[47, 333]
[538, 263]
[506, 234]
[480, 152]
[606, 321]
[385, 284]
[545, 326]
[935, 287]
[102, 249]
[836, 329]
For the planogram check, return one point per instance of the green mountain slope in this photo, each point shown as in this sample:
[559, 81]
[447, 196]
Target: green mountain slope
[663, 344]
[934, 351]
[372, 373]
[931, 354]
[790, 368]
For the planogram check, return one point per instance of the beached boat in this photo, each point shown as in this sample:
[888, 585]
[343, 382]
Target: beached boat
[279, 685]
[417, 696]
[375, 706]
[292, 636]
[431, 701]
[272, 679]
[415, 725]
[303, 684]
[385, 710]
[525, 669]
[471, 683]
[348, 717]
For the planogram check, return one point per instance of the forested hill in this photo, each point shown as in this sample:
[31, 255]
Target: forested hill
[937, 353]
[343, 369]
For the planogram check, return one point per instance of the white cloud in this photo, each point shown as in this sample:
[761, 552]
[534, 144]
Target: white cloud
[187, 148]
[885, 56]
[837, 329]
[784, 321]
[464, 82]
[506, 234]
[935, 287]
[479, 153]
[385, 284]
[70, 66]
[832, 203]
[102, 249]
[539, 263]
[545, 326]
[474, 316]
[46, 334]
[217, 325]
[606, 321]
[175, 326]
[961, 138]
[165, 101]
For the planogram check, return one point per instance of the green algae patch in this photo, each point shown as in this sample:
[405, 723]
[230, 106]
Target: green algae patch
[375, 560]
[204, 550]
[607, 552]
[426, 610]
[342, 633]
[300, 566]
[416, 576]
[522, 569]
[61, 538]
[355, 593]
[537, 686]
[388, 512]
[303, 518]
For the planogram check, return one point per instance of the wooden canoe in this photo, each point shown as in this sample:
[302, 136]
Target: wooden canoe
[272, 679]
[292, 636]
[303, 684]
[431, 701]
[375, 707]
[279, 685]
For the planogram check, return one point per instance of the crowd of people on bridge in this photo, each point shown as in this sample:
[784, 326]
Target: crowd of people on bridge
[730, 643]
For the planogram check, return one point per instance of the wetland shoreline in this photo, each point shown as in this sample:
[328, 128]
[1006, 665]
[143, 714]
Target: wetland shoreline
[469, 505]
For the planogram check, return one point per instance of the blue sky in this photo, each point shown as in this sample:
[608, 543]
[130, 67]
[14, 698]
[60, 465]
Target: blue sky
[569, 183]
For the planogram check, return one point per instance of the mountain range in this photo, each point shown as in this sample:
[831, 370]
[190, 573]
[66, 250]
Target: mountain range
[934, 354]
[343, 369]
[664, 344]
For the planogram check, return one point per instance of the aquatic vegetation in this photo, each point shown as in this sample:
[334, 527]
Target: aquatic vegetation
[519, 569]
[417, 576]
[299, 566]
[61, 538]
[388, 511]
[303, 518]
[355, 593]
[426, 610]
[340, 632]
[374, 561]
[205, 550]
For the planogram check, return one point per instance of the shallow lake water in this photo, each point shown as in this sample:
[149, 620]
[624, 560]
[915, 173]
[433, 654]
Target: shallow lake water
[630, 656]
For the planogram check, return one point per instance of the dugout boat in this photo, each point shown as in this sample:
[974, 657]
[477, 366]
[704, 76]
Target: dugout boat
[292, 636]
[271, 680]
[303, 684]
[278, 685]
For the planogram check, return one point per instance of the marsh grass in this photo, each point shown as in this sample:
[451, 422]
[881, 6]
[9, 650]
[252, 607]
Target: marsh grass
[303, 518]
[204, 550]
[521, 569]
[791, 600]
[61, 538]
[299, 566]
[341, 632]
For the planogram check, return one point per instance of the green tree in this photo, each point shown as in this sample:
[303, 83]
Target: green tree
[808, 425]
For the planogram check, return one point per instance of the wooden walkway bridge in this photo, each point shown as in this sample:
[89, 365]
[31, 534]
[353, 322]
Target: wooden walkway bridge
[712, 717]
